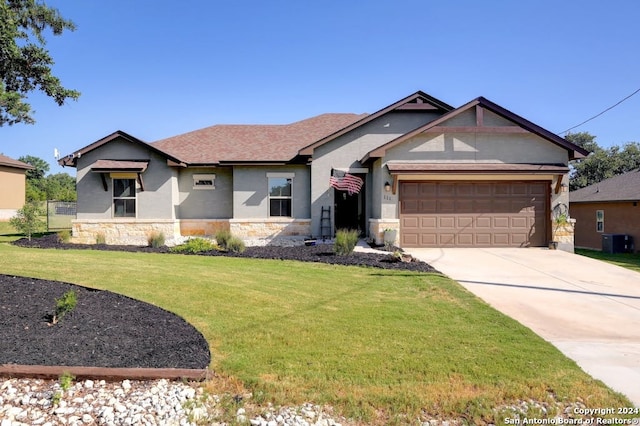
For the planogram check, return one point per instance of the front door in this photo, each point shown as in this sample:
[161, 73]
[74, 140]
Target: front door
[350, 210]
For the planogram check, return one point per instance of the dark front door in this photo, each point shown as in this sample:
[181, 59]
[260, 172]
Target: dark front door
[350, 210]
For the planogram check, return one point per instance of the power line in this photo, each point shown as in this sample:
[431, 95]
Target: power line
[599, 114]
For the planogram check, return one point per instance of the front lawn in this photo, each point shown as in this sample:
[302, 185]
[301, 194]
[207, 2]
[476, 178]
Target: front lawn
[380, 346]
[626, 260]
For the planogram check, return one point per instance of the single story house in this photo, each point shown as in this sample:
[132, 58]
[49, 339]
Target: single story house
[12, 186]
[607, 207]
[473, 176]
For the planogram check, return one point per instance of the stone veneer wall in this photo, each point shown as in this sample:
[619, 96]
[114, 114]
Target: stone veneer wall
[123, 231]
[248, 229]
[137, 231]
[377, 227]
[563, 235]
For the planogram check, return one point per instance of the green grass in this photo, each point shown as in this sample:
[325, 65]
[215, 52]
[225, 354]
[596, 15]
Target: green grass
[380, 346]
[626, 260]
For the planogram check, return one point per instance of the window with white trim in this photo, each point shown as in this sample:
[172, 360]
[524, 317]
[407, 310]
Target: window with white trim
[124, 198]
[204, 181]
[599, 220]
[280, 194]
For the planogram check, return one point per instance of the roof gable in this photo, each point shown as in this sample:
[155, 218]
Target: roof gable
[227, 144]
[72, 159]
[419, 101]
[10, 162]
[480, 105]
[624, 187]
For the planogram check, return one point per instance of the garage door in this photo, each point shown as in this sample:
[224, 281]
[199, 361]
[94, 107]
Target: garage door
[473, 214]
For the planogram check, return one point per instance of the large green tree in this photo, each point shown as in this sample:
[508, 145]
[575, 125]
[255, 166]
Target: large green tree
[40, 187]
[601, 163]
[25, 64]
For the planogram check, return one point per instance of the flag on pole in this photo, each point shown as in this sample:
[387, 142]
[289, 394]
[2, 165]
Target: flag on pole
[350, 183]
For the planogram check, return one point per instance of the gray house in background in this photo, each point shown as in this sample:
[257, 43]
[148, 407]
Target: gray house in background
[473, 176]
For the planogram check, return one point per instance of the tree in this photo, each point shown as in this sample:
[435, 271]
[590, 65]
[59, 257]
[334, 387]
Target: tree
[25, 65]
[36, 183]
[601, 163]
[61, 187]
[28, 219]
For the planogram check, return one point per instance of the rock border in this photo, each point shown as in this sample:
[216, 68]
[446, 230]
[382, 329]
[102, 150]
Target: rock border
[103, 373]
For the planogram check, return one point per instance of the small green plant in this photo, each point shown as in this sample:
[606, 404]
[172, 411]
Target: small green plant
[64, 305]
[345, 242]
[64, 235]
[28, 219]
[66, 380]
[222, 238]
[194, 245]
[155, 239]
[235, 245]
[101, 238]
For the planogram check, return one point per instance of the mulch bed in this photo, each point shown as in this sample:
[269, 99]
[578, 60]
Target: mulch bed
[110, 330]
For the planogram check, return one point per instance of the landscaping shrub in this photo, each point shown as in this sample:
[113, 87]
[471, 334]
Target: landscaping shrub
[101, 238]
[345, 242]
[222, 237]
[194, 245]
[64, 305]
[235, 245]
[156, 239]
[64, 235]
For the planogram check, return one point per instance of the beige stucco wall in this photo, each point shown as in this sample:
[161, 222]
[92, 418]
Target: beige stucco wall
[12, 191]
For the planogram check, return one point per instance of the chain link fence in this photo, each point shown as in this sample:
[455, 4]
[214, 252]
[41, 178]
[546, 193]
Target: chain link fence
[60, 214]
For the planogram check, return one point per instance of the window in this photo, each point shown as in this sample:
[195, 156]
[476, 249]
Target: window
[204, 181]
[599, 220]
[124, 198]
[280, 196]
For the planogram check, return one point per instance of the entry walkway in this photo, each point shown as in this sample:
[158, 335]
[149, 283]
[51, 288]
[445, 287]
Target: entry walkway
[588, 309]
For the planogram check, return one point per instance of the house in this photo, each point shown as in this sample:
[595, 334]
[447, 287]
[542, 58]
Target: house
[607, 207]
[477, 175]
[12, 186]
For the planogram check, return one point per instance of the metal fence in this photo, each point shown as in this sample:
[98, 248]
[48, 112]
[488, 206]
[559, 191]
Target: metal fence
[60, 214]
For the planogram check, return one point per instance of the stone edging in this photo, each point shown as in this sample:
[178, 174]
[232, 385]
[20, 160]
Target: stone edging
[102, 373]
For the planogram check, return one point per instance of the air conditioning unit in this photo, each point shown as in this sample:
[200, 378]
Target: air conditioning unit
[617, 243]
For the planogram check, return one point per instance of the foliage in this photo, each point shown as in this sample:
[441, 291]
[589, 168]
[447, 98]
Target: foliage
[66, 380]
[156, 239]
[40, 187]
[222, 237]
[64, 235]
[25, 65]
[101, 238]
[235, 245]
[366, 341]
[345, 242]
[194, 245]
[602, 163]
[28, 219]
[65, 304]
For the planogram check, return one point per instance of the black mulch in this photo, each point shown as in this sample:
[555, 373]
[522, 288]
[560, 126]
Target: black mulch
[111, 330]
[104, 330]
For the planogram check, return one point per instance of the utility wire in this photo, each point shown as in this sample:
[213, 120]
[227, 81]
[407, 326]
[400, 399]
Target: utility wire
[599, 114]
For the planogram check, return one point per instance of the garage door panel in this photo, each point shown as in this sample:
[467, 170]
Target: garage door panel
[467, 214]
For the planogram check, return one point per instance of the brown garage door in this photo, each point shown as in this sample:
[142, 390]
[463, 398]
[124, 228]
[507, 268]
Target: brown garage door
[473, 214]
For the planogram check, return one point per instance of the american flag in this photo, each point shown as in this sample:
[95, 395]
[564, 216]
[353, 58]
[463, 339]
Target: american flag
[350, 183]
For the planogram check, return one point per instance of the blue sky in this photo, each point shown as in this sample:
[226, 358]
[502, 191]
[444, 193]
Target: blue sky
[156, 68]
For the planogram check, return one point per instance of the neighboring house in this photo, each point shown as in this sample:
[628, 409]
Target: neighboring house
[12, 186]
[607, 207]
[477, 175]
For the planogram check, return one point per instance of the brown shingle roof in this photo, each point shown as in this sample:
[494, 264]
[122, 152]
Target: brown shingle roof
[624, 187]
[253, 143]
[10, 162]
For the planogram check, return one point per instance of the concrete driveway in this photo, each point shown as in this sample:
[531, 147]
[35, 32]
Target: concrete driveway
[588, 309]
